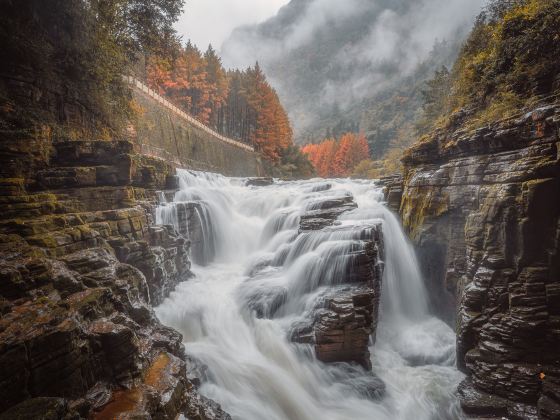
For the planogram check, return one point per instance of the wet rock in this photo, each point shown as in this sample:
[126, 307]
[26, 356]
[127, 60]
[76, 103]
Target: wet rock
[12, 283]
[164, 393]
[172, 183]
[194, 222]
[259, 182]
[342, 330]
[81, 266]
[167, 376]
[327, 202]
[320, 187]
[202, 408]
[481, 404]
[393, 191]
[318, 219]
[483, 208]
[477, 403]
[120, 346]
[42, 408]
[97, 397]
[163, 259]
[346, 319]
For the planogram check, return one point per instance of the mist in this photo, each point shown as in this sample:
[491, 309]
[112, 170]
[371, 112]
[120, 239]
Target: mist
[222, 17]
[325, 55]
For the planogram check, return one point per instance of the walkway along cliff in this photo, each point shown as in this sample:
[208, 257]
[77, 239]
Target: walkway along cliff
[483, 209]
[163, 130]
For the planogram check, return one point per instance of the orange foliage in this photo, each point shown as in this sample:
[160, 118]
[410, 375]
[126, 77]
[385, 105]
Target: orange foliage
[272, 132]
[239, 104]
[332, 158]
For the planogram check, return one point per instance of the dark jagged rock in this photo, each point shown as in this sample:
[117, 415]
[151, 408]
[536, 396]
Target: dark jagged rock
[321, 187]
[42, 408]
[194, 222]
[324, 212]
[393, 191]
[341, 329]
[82, 265]
[484, 210]
[345, 321]
[259, 182]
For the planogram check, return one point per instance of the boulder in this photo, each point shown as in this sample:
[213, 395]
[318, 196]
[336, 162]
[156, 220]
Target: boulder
[259, 182]
[342, 328]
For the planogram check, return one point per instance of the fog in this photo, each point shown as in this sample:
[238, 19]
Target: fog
[320, 53]
[212, 21]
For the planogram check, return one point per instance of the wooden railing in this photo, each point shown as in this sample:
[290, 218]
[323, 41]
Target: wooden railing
[183, 115]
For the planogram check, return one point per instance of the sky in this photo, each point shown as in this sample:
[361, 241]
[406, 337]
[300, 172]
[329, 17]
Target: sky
[211, 21]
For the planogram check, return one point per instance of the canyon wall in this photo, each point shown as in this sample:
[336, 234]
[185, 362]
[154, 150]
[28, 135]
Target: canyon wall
[162, 130]
[82, 264]
[483, 208]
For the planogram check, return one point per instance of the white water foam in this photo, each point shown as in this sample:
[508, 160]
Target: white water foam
[253, 370]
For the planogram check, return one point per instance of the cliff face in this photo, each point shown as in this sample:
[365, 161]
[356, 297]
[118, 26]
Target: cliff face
[483, 208]
[81, 266]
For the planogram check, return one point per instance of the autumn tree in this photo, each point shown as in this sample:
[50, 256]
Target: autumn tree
[239, 104]
[332, 158]
[158, 71]
[77, 50]
[312, 152]
[197, 96]
[327, 154]
[218, 88]
[352, 149]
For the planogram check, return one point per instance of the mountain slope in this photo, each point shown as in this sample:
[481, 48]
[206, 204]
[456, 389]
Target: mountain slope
[341, 65]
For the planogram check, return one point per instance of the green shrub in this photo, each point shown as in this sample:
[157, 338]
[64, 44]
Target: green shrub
[510, 60]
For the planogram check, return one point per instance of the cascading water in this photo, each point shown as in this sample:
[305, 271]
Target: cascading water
[257, 256]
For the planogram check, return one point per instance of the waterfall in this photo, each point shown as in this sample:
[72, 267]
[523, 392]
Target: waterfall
[257, 276]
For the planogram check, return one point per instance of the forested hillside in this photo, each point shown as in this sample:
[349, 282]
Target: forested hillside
[239, 104]
[73, 76]
[69, 56]
[337, 158]
[509, 62]
[355, 66]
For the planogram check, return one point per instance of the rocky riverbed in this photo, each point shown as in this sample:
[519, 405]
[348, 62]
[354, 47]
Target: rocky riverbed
[309, 303]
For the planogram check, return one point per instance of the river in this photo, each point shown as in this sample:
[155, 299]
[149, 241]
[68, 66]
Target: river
[250, 365]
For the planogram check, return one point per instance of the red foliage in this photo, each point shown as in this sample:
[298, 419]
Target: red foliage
[239, 104]
[332, 158]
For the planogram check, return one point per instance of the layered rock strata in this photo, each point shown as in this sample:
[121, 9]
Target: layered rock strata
[82, 265]
[483, 208]
[346, 317]
[325, 212]
[393, 191]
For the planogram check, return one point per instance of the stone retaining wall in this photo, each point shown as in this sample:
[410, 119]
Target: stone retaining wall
[164, 131]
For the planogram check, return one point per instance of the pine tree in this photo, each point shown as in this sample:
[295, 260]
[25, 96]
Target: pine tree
[218, 88]
[240, 104]
[332, 158]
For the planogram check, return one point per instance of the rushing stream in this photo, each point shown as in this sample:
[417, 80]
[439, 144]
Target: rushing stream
[251, 366]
